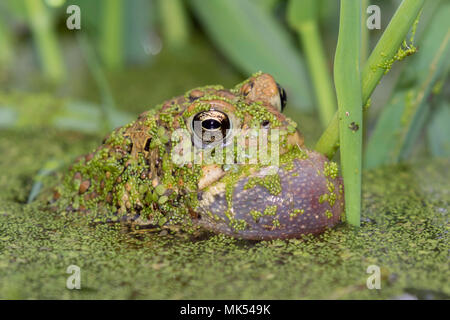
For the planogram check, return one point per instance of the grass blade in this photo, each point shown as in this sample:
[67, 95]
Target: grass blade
[347, 79]
[375, 67]
[45, 38]
[365, 37]
[112, 34]
[303, 17]
[253, 40]
[174, 22]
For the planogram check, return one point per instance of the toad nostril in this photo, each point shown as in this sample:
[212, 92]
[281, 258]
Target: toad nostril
[246, 88]
[147, 144]
[265, 123]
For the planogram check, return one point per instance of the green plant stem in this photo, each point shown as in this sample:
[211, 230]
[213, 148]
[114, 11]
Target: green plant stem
[303, 17]
[365, 39]
[373, 71]
[388, 45]
[6, 47]
[365, 43]
[112, 34]
[347, 80]
[45, 39]
[175, 23]
[320, 74]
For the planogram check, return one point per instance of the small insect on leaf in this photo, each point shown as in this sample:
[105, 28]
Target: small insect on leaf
[353, 126]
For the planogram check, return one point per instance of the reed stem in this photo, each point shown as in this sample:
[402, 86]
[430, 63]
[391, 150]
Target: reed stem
[112, 34]
[303, 17]
[46, 41]
[347, 78]
[175, 23]
[375, 67]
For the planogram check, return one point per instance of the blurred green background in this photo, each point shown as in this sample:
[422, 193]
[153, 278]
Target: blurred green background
[131, 55]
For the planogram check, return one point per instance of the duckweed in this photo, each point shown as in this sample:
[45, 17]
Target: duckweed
[404, 231]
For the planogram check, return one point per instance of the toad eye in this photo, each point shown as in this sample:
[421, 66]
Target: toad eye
[283, 96]
[210, 127]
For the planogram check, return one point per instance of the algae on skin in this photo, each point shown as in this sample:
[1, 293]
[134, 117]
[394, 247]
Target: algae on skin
[404, 231]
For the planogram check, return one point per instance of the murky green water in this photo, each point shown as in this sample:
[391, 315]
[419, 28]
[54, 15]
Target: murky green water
[404, 230]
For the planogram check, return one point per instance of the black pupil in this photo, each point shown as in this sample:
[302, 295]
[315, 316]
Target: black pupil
[210, 124]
